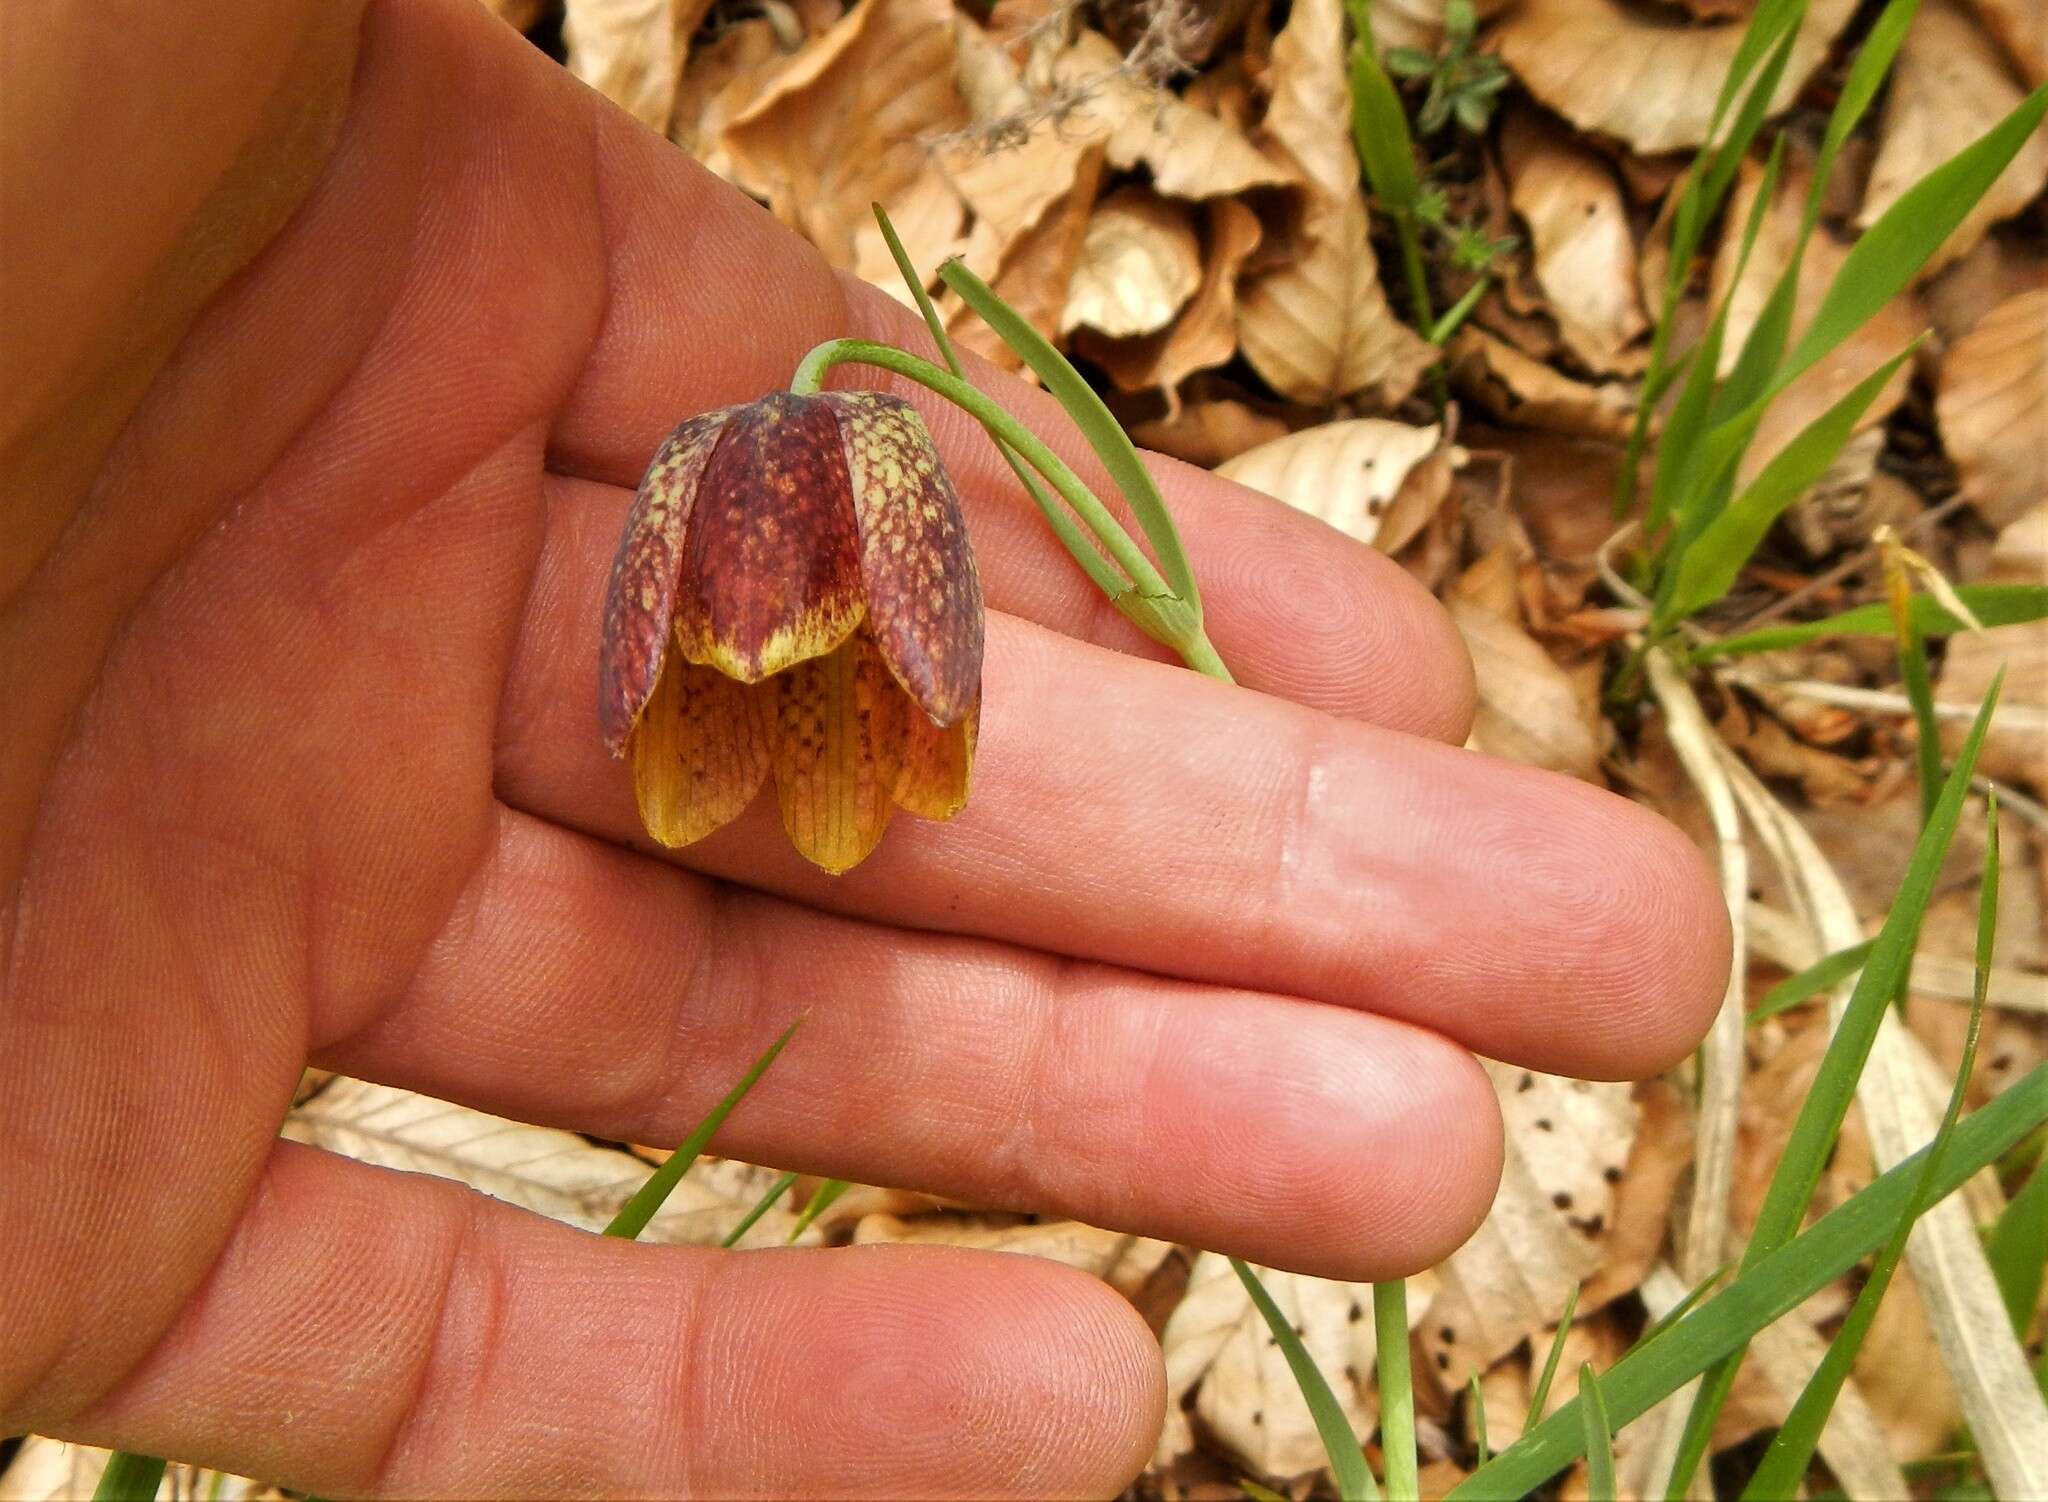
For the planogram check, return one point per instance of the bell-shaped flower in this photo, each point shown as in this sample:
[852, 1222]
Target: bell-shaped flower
[794, 594]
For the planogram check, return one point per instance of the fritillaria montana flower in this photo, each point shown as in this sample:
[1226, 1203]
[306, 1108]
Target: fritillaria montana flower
[794, 596]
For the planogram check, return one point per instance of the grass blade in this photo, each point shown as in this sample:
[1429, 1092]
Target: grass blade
[129, 1478]
[1824, 974]
[1340, 1444]
[1541, 1395]
[1774, 1285]
[1599, 1437]
[1397, 1390]
[1993, 604]
[647, 1199]
[1104, 434]
[1791, 1450]
[1703, 572]
[1379, 125]
[2019, 1249]
[1476, 1420]
[762, 1206]
[817, 1205]
[1827, 1101]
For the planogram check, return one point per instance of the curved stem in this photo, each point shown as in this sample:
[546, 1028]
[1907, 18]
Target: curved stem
[1142, 577]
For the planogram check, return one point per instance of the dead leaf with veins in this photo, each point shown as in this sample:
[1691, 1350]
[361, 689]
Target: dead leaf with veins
[1950, 85]
[1121, 1260]
[1529, 709]
[1567, 1146]
[556, 1174]
[1992, 408]
[1420, 23]
[1623, 70]
[1585, 252]
[1374, 479]
[2021, 28]
[1526, 392]
[849, 125]
[1140, 264]
[1317, 326]
[632, 51]
[1205, 333]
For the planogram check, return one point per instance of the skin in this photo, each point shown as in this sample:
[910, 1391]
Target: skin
[326, 402]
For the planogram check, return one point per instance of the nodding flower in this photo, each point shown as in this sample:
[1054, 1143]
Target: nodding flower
[794, 594]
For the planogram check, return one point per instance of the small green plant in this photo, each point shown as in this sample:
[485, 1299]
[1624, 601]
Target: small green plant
[1464, 83]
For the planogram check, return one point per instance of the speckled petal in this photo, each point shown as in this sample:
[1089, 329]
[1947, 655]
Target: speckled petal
[700, 753]
[641, 600]
[931, 778]
[917, 570]
[771, 565]
[838, 722]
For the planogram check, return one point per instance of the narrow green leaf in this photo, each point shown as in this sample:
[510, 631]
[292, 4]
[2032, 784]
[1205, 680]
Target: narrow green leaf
[1541, 1395]
[1379, 126]
[1104, 434]
[2019, 1249]
[1792, 1449]
[1823, 974]
[1866, 76]
[1819, 1121]
[1707, 568]
[1064, 527]
[129, 1478]
[817, 1205]
[1476, 1420]
[1994, 604]
[1340, 1443]
[762, 1206]
[1599, 1437]
[1774, 1285]
[1397, 1390]
[647, 1199]
[1459, 311]
[1258, 1492]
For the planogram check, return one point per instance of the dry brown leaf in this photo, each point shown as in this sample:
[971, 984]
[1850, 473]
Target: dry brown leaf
[2021, 27]
[1528, 393]
[2015, 748]
[1140, 263]
[632, 51]
[1902, 1377]
[1993, 409]
[1317, 326]
[1247, 1397]
[849, 125]
[1377, 480]
[1626, 71]
[1177, 31]
[1205, 334]
[1579, 232]
[1567, 1143]
[556, 1174]
[721, 81]
[1529, 709]
[1948, 87]
[2001, 267]
[1889, 331]
[1420, 23]
[1035, 270]
[1121, 1260]
[1657, 1162]
[1208, 431]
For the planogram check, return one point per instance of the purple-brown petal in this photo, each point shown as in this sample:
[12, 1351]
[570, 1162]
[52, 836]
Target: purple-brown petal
[640, 601]
[917, 570]
[771, 564]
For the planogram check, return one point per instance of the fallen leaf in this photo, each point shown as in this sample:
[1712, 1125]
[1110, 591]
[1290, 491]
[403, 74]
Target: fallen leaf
[1205, 333]
[721, 81]
[2016, 748]
[849, 124]
[1420, 23]
[1585, 253]
[1529, 709]
[2001, 267]
[1529, 393]
[1140, 263]
[1035, 269]
[2021, 27]
[1884, 335]
[1993, 409]
[1377, 480]
[1183, 33]
[632, 51]
[1121, 1260]
[1901, 1375]
[1948, 87]
[1625, 71]
[1657, 1162]
[1317, 325]
[1217, 1345]
[1208, 430]
[556, 1174]
[1567, 1145]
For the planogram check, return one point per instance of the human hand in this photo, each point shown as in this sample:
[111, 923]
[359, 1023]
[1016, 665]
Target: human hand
[298, 625]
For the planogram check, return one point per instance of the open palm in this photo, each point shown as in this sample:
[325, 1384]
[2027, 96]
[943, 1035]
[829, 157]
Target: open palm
[301, 762]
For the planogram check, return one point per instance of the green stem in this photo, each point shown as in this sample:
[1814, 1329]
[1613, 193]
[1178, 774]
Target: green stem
[129, 1478]
[1000, 425]
[1397, 1390]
